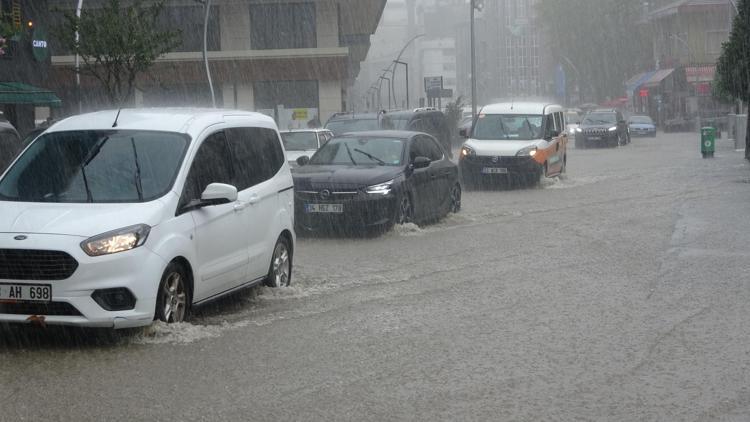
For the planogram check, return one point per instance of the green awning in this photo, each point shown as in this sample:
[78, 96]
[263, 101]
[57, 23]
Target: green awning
[18, 93]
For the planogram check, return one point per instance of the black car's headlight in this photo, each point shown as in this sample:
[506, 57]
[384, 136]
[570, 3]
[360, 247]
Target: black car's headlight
[116, 241]
[381, 188]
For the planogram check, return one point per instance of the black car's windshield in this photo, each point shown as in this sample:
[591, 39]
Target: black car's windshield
[339, 127]
[600, 119]
[95, 166]
[300, 141]
[513, 127]
[643, 120]
[361, 151]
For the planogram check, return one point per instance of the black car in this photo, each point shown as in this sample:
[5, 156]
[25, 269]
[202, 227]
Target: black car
[427, 120]
[369, 181]
[602, 128]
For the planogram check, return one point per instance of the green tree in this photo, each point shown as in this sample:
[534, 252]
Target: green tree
[601, 38]
[117, 43]
[733, 66]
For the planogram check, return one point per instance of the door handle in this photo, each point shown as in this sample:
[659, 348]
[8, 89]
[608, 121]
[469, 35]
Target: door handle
[254, 199]
[239, 206]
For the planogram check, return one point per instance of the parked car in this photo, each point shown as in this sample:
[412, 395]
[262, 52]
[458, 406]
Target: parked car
[514, 140]
[369, 181]
[602, 127]
[10, 143]
[116, 218]
[303, 142]
[641, 126]
[427, 120]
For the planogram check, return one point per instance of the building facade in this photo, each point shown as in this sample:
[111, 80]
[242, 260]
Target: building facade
[294, 61]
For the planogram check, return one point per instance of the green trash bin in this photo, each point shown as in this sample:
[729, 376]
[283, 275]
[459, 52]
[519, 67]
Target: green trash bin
[708, 141]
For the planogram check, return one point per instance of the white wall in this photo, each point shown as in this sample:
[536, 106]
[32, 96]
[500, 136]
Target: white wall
[245, 96]
[234, 23]
[327, 23]
[329, 93]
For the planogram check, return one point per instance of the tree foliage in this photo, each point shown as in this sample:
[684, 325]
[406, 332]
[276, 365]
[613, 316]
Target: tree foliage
[733, 66]
[601, 38]
[117, 43]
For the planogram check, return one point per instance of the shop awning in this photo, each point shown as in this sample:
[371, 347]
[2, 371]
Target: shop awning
[697, 74]
[19, 93]
[657, 77]
[636, 81]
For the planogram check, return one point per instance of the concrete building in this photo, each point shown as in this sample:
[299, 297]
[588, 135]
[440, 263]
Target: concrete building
[292, 60]
[687, 40]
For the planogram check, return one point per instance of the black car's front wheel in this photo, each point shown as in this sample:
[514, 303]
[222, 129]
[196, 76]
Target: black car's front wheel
[455, 198]
[405, 212]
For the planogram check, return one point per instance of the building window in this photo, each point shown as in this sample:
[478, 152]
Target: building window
[281, 26]
[189, 21]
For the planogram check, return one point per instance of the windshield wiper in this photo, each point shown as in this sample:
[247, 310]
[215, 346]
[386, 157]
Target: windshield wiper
[86, 160]
[138, 185]
[348, 151]
[370, 156]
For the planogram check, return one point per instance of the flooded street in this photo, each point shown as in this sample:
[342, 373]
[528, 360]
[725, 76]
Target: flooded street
[618, 291]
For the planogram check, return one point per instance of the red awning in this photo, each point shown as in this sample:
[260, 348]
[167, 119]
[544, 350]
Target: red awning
[696, 74]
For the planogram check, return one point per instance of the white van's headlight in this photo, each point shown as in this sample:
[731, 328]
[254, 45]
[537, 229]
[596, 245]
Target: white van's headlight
[381, 188]
[120, 240]
[526, 152]
[467, 151]
[612, 129]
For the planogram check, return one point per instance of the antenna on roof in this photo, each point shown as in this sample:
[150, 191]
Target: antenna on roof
[117, 117]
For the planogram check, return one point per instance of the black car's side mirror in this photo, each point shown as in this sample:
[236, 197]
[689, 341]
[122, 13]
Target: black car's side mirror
[464, 133]
[303, 161]
[421, 162]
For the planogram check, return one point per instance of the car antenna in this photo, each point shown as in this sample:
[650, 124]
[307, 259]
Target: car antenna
[117, 117]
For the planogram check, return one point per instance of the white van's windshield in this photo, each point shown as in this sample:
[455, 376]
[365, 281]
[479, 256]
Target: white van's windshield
[95, 166]
[511, 127]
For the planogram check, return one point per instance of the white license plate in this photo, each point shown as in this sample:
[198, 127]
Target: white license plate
[327, 208]
[494, 170]
[595, 138]
[27, 292]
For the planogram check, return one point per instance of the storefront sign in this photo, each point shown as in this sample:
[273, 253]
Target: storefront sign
[643, 92]
[39, 45]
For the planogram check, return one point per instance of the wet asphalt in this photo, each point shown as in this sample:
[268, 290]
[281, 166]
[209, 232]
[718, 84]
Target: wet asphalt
[620, 291]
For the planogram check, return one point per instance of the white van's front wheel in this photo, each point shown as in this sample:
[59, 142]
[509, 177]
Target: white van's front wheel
[172, 301]
[280, 271]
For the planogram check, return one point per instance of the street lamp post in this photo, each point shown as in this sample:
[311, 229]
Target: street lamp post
[384, 78]
[474, 4]
[406, 67]
[207, 5]
[78, 58]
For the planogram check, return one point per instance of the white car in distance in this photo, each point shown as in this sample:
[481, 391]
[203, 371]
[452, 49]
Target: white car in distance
[117, 218]
[303, 142]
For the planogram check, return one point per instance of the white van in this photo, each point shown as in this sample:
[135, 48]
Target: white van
[521, 140]
[116, 218]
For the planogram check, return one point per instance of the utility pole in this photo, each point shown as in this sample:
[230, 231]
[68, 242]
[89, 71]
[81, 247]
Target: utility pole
[406, 67]
[78, 59]
[474, 5]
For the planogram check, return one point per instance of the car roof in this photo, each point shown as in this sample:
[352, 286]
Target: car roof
[352, 116]
[603, 110]
[521, 108]
[316, 130]
[381, 134]
[182, 120]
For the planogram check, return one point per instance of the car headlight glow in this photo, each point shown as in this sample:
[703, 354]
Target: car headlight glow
[467, 152]
[527, 152]
[116, 241]
[612, 129]
[381, 188]
[579, 130]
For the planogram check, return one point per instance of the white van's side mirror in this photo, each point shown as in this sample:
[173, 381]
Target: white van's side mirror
[218, 193]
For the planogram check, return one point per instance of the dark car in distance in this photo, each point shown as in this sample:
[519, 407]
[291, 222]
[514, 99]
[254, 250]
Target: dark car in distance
[602, 128]
[366, 182]
[428, 120]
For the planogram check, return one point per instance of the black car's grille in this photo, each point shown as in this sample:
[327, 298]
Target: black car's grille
[595, 131]
[26, 264]
[32, 308]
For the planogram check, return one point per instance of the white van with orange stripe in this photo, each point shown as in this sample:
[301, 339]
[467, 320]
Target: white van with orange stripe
[514, 141]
